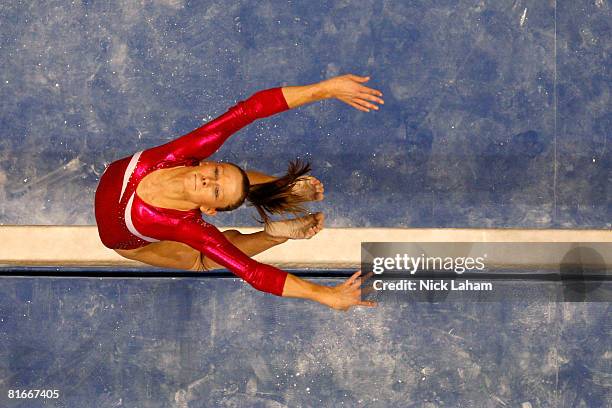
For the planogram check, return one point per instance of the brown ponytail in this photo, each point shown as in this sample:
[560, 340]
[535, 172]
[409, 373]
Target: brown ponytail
[276, 197]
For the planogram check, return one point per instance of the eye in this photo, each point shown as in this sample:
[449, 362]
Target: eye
[217, 192]
[217, 173]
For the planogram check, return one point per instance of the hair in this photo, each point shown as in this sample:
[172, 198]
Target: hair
[273, 197]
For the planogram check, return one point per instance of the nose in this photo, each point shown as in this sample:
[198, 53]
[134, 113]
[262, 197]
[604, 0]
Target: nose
[206, 181]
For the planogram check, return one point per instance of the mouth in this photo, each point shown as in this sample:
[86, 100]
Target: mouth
[195, 182]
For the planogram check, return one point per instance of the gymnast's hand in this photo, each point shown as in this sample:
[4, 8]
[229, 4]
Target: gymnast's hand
[349, 89]
[348, 294]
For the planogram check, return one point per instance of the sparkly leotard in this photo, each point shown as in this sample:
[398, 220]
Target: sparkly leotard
[125, 221]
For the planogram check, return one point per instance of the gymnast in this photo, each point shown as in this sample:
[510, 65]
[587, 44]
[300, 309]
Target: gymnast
[149, 205]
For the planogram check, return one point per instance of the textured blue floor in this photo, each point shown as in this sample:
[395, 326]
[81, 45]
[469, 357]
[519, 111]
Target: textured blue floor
[208, 343]
[497, 113]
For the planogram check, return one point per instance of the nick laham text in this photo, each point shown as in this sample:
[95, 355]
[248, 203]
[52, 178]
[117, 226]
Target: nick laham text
[432, 284]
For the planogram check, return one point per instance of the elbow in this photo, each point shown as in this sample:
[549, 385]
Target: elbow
[246, 112]
[268, 279]
[253, 108]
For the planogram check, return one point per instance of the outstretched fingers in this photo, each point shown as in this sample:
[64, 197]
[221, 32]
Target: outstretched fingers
[358, 107]
[351, 90]
[365, 104]
[359, 78]
[371, 91]
[371, 96]
[357, 279]
[365, 291]
[353, 278]
[349, 293]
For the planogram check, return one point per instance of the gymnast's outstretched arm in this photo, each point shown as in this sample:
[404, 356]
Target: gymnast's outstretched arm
[346, 88]
[340, 297]
[205, 140]
[207, 239]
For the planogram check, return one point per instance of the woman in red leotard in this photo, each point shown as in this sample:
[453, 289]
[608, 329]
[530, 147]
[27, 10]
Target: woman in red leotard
[149, 205]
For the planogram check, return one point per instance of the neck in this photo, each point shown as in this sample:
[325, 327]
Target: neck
[169, 189]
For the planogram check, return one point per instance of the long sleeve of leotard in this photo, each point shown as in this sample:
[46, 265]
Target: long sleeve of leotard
[212, 243]
[205, 140]
[206, 238]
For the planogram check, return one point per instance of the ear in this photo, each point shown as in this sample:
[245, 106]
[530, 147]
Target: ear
[208, 211]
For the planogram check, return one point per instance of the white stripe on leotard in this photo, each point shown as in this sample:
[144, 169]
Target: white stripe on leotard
[128, 172]
[130, 224]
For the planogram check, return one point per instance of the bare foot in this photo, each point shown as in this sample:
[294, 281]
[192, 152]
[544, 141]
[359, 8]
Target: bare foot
[297, 228]
[310, 188]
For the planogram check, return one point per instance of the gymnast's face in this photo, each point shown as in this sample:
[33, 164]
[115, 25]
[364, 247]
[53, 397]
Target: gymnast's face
[214, 185]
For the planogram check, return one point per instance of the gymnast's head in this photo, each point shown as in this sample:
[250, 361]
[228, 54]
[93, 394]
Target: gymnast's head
[217, 186]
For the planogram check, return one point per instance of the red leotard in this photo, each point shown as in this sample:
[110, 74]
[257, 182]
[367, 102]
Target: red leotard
[127, 222]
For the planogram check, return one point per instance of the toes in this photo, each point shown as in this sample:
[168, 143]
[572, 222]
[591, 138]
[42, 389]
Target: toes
[321, 218]
[315, 182]
[310, 188]
[314, 222]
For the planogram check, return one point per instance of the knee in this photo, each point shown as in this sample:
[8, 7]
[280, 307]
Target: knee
[199, 265]
[204, 264]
